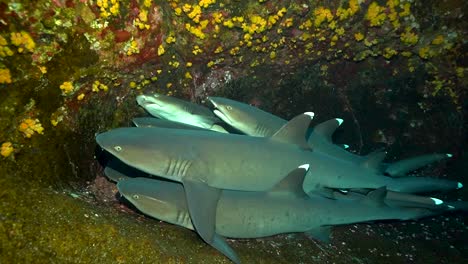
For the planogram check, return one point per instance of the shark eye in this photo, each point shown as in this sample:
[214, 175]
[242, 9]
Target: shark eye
[118, 148]
[229, 107]
[136, 196]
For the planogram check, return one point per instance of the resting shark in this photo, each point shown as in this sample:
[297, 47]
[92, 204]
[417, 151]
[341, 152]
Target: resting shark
[206, 162]
[117, 171]
[174, 109]
[255, 122]
[284, 209]
[156, 122]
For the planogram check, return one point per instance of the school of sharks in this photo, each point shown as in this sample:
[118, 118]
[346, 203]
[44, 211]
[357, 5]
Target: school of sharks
[265, 176]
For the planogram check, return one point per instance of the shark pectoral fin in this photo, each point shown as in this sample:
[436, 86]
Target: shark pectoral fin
[327, 128]
[376, 197]
[218, 128]
[293, 181]
[295, 131]
[220, 244]
[202, 201]
[374, 160]
[322, 233]
[402, 167]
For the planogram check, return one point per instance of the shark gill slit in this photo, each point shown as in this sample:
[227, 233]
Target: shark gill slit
[178, 167]
[260, 129]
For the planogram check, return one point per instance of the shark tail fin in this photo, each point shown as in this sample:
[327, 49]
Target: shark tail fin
[402, 167]
[295, 131]
[293, 181]
[327, 128]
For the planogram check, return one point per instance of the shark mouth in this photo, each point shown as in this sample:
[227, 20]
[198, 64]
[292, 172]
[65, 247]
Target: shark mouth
[222, 116]
[218, 112]
[143, 101]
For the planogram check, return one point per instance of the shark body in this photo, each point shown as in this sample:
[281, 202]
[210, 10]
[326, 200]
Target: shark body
[256, 122]
[174, 109]
[284, 209]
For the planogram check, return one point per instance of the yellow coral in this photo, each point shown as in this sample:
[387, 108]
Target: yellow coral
[108, 9]
[67, 88]
[132, 48]
[196, 50]
[389, 52]
[424, 53]
[6, 149]
[4, 49]
[97, 85]
[197, 31]
[438, 40]
[206, 3]
[170, 39]
[358, 36]
[5, 76]
[375, 14]
[161, 50]
[408, 37]
[322, 14]
[23, 41]
[30, 126]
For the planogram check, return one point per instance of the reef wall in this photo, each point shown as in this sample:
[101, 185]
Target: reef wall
[394, 70]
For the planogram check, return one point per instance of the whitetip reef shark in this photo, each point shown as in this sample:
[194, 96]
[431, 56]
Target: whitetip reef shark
[174, 109]
[256, 122]
[283, 209]
[206, 163]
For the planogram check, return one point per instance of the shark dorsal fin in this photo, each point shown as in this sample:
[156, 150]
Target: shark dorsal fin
[295, 131]
[374, 159]
[327, 128]
[376, 197]
[293, 181]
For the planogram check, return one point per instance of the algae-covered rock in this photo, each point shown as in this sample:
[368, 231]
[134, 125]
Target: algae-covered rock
[395, 71]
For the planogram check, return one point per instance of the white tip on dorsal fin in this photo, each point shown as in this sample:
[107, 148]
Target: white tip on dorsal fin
[293, 181]
[295, 131]
[304, 166]
[374, 159]
[327, 128]
[437, 201]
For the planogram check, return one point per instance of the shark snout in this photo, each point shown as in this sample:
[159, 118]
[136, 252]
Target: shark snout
[213, 101]
[144, 100]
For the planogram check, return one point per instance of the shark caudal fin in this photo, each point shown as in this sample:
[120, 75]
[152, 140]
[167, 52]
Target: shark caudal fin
[402, 167]
[295, 131]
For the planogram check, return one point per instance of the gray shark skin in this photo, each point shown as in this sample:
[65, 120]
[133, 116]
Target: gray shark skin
[206, 162]
[260, 214]
[116, 171]
[402, 167]
[255, 122]
[174, 109]
[217, 159]
[156, 122]
[397, 199]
